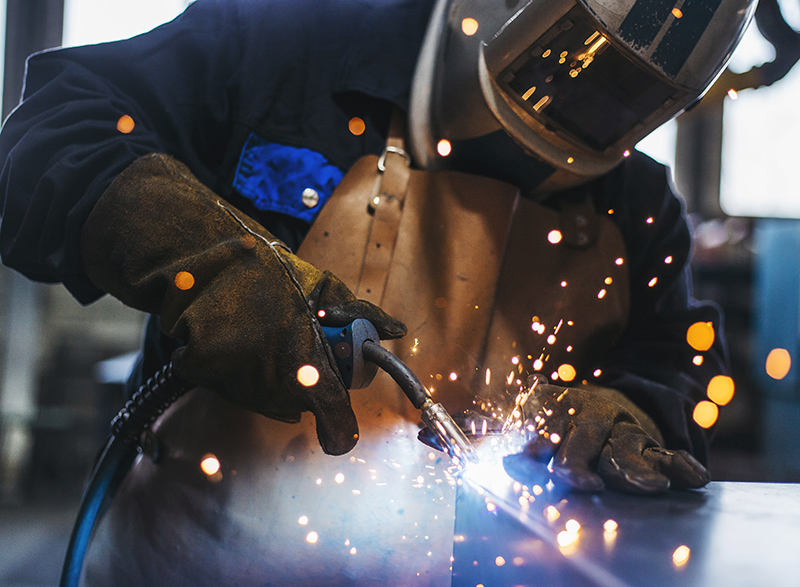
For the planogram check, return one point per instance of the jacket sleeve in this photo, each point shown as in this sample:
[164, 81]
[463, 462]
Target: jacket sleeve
[653, 363]
[61, 147]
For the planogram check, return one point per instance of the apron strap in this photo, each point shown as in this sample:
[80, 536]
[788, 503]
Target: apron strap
[387, 209]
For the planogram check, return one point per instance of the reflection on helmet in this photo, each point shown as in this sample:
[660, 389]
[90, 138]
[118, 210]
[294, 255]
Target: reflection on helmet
[575, 84]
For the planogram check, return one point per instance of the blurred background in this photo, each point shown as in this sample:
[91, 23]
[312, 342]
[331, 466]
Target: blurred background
[732, 156]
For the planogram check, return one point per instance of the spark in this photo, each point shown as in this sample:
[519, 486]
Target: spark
[597, 372]
[697, 360]
[608, 281]
[184, 280]
[416, 346]
[555, 438]
[551, 513]
[444, 148]
[652, 282]
[681, 555]
[488, 376]
[356, 126]
[210, 465]
[668, 259]
[566, 538]
[649, 220]
[339, 478]
[554, 237]
[499, 561]
[353, 550]
[515, 360]
[563, 284]
[572, 526]
[700, 336]
[601, 294]
[312, 537]
[307, 375]
[453, 376]
[733, 94]
[125, 124]
[570, 160]
[321, 314]
[676, 12]
[705, 414]
[302, 520]
[626, 153]
[551, 339]
[610, 211]
[469, 26]
[610, 526]
[720, 389]
[537, 365]
[619, 261]
[567, 372]
[779, 363]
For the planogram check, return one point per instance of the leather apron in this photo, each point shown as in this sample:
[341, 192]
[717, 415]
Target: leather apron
[491, 286]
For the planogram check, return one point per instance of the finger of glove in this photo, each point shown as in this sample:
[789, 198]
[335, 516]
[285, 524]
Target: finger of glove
[683, 470]
[624, 467]
[337, 428]
[576, 459]
[343, 314]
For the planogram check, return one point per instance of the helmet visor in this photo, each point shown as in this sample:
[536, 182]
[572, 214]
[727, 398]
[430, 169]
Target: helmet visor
[574, 80]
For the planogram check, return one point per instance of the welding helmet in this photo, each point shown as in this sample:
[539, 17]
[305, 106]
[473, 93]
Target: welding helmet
[575, 83]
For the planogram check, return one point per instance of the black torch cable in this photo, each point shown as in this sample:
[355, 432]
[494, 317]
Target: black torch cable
[399, 371]
[138, 414]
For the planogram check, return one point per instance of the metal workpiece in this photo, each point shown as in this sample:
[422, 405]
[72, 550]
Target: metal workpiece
[509, 535]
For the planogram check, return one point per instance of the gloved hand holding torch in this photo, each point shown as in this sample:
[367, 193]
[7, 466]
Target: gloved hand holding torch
[248, 310]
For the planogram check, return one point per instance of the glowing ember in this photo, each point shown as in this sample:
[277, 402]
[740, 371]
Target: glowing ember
[572, 526]
[677, 13]
[601, 294]
[339, 478]
[652, 282]
[698, 360]
[681, 555]
[307, 375]
[597, 372]
[302, 520]
[610, 526]
[499, 561]
[649, 220]
[668, 260]
[554, 237]
[779, 362]
[184, 280]
[563, 284]
[312, 537]
[356, 126]
[551, 514]
[567, 372]
[720, 389]
[626, 153]
[608, 281]
[321, 314]
[125, 124]
[555, 438]
[210, 465]
[515, 360]
[700, 336]
[453, 376]
[619, 261]
[551, 339]
[537, 365]
[469, 26]
[444, 148]
[705, 414]
[566, 538]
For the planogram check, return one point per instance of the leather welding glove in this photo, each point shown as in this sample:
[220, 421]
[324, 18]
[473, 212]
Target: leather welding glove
[597, 437]
[247, 310]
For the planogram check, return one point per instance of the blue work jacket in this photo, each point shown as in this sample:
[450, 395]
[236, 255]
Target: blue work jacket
[256, 97]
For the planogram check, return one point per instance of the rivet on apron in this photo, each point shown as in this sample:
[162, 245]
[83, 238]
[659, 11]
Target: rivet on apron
[310, 197]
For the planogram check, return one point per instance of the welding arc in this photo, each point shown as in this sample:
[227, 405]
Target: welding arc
[402, 375]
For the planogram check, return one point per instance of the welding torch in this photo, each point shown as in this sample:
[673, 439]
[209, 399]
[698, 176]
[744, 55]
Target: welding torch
[358, 354]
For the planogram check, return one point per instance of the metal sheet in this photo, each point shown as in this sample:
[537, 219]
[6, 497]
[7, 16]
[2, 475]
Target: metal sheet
[735, 533]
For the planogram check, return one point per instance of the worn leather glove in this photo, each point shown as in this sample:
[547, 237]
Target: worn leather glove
[597, 437]
[247, 309]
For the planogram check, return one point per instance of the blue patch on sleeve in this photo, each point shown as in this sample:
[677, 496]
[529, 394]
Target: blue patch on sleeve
[275, 176]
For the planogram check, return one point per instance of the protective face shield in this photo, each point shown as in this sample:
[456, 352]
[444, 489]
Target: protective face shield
[576, 84]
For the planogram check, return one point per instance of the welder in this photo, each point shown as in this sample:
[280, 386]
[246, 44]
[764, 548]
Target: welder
[461, 173]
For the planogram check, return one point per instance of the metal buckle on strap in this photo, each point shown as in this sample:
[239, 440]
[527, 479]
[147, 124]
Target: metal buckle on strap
[390, 149]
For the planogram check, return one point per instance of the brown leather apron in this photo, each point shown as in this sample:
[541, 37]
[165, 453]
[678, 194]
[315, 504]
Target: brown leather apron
[491, 286]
